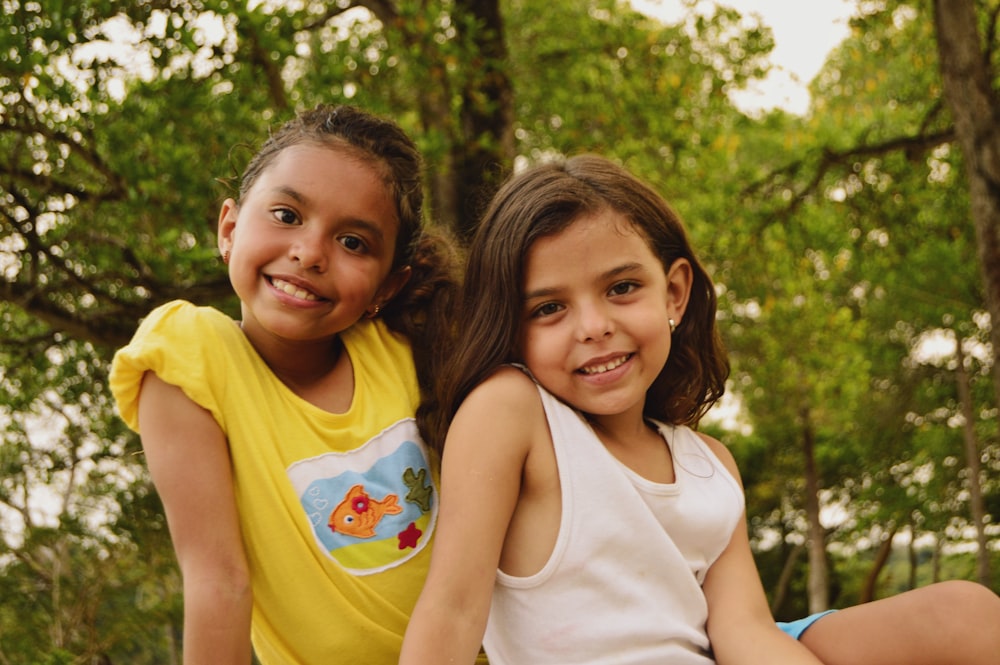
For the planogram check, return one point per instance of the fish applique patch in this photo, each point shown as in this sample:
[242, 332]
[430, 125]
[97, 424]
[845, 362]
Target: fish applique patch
[358, 513]
[374, 507]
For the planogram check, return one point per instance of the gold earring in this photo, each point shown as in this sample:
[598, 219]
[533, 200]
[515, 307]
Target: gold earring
[372, 314]
[672, 324]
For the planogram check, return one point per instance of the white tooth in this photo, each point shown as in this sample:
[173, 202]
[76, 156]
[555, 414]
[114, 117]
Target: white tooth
[600, 369]
[292, 290]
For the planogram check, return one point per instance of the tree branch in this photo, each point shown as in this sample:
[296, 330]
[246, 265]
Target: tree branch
[26, 126]
[384, 11]
[829, 158]
[261, 57]
[331, 12]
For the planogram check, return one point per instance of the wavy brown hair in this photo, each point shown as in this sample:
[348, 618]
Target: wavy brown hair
[421, 311]
[540, 202]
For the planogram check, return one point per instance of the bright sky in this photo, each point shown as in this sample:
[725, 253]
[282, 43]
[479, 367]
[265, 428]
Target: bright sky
[805, 31]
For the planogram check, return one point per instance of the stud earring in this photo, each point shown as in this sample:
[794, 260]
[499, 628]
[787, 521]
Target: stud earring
[673, 325]
[372, 314]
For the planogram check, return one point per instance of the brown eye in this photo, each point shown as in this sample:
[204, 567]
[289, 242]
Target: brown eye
[286, 216]
[354, 243]
[546, 309]
[623, 288]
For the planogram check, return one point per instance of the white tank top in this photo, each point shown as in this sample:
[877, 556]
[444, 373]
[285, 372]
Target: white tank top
[623, 582]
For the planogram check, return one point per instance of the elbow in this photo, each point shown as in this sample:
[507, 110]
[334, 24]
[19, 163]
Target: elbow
[236, 589]
[237, 578]
[227, 584]
[233, 584]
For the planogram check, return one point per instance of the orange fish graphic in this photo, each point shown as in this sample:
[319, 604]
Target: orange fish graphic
[358, 513]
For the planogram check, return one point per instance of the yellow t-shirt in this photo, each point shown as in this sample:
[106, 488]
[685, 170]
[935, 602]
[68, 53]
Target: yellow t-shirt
[336, 509]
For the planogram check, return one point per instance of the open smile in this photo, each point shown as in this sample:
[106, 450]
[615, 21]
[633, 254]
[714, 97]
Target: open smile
[293, 290]
[603, 367]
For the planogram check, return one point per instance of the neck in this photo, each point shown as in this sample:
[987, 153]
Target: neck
[620, 428]
[308, 364]
[295, 362]
[321, 375]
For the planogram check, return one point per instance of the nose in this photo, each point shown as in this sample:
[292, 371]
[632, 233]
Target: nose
[594, 322]
[309, 251]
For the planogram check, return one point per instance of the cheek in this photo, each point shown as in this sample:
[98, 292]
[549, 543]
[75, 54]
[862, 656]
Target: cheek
[252, 251]
[537, 347]
[360, 285]
[239, 265]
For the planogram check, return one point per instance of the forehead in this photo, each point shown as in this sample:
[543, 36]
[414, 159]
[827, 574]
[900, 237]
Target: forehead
[315, 161]
[332, 176]
[597, 236]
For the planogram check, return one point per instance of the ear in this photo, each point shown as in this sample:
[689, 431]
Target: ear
[680, 278]
[227, 225]
[391, 285]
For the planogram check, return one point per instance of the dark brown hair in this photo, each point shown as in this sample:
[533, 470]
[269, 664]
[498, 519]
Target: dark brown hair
[543, 201]
[421, 310]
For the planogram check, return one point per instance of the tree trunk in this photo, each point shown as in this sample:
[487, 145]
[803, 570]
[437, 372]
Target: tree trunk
[936, 559]
[967, 79]
[881, 558]
[973, 464]
[170, 638]
[819, 586]
[480, 130]
[785, 579]
[481, 159]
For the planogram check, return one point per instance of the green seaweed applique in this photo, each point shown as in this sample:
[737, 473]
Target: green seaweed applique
[420, 493]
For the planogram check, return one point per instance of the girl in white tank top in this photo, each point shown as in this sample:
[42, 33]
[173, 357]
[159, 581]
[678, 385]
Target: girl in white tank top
[582, 518]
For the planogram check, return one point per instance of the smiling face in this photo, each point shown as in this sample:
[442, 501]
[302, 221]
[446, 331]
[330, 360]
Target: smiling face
[310, 245]
[597, 306]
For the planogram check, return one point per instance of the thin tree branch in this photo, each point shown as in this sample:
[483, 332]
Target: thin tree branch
[829, 158]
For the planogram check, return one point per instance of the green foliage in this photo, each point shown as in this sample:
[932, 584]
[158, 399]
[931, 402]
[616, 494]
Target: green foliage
[851, 255]
[607, 80]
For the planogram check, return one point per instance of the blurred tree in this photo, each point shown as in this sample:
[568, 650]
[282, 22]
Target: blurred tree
[966, 43]
[966, 49]
[869, 198]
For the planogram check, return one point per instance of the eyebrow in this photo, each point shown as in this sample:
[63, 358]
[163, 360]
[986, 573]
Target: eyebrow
[290, 192]
[606, 275]
[367, 225]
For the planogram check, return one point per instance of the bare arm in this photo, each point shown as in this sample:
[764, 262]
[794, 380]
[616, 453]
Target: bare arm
[486, 449]
[188, 459]
[740, 626]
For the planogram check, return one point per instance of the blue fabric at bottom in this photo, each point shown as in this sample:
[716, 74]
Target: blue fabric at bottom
[796, 628]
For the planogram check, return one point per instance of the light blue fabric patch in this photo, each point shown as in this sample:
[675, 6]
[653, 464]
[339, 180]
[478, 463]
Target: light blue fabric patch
[796, 628]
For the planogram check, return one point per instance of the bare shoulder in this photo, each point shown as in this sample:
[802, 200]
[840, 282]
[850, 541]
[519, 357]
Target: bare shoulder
[723, 453]
[503, 413]
[506, 391]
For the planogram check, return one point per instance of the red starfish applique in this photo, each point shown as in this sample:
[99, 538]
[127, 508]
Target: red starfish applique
[409, 536]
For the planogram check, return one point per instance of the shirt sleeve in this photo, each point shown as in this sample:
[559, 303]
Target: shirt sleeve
[174, 341]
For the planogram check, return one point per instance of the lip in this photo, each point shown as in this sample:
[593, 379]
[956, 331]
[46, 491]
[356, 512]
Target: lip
[293, 290]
